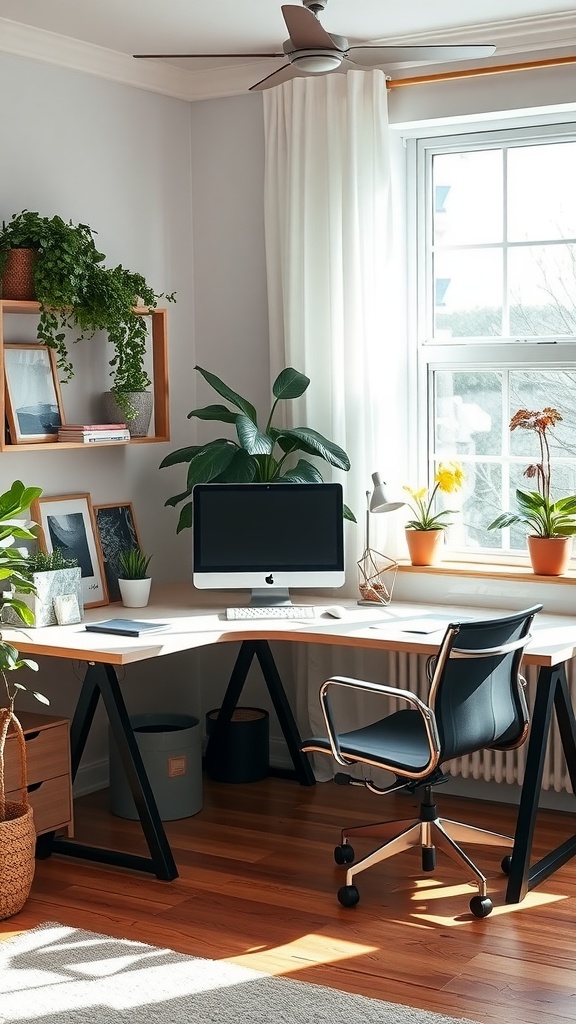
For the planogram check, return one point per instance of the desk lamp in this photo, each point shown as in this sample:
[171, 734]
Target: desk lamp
[376, 571]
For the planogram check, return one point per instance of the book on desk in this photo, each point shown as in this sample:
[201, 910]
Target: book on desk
[127, 627]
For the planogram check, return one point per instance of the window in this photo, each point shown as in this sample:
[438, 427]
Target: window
[496, 321]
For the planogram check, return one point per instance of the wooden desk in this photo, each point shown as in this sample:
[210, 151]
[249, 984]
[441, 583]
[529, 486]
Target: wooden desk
[197, 621]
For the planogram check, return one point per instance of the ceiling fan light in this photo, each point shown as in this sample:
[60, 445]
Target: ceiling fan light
[316, 62]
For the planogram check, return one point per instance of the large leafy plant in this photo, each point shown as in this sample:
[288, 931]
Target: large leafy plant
[257, 454]
[537, 510]
[15, 572]
[78, 293]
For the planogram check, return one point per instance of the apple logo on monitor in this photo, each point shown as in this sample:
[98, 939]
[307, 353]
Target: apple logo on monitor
[270, 579]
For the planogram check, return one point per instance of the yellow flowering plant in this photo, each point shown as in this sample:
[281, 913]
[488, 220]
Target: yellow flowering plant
[449, 478]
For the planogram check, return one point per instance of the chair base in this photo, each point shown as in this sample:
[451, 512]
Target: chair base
[427, 831]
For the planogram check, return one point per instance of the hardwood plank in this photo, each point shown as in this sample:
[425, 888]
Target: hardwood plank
[258, 887]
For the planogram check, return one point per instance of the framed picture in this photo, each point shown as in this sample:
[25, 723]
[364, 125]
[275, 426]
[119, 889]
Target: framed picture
[115, 531]
[67, 522]
[33, 402]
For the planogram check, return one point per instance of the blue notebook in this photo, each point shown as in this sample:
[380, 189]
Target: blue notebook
[127, 627]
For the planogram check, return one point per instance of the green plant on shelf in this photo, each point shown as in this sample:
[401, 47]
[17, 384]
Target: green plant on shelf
[78, 293]
[48, 561]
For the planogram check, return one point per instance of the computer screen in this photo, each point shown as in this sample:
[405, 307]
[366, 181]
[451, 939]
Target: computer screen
[268, 538]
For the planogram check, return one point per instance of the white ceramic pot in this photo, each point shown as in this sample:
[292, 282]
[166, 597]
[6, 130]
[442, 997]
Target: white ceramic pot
[135, 593]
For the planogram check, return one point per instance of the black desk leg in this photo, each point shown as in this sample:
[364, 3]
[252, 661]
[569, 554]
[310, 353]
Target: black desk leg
[261, 650]
[101, 681]
[551, 693]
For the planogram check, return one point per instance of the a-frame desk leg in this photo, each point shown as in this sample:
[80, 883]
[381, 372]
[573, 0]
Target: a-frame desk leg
[261, 650]
[552, 693]
[101, 681]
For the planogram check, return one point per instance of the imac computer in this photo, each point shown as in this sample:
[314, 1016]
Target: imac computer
[268, 538]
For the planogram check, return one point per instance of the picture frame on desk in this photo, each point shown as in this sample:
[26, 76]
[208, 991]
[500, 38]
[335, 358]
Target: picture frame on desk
[33, 400]
[116, 531]
[67, 522]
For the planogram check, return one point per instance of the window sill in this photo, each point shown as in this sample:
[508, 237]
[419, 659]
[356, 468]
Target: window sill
[487, 570]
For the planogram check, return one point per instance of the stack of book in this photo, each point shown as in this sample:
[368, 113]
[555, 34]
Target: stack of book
[93, 433]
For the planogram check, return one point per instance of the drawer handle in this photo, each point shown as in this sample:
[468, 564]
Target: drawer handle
[31, 735]
[34, 787]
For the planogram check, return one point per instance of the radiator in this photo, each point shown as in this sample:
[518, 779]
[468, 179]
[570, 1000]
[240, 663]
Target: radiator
[494, 765]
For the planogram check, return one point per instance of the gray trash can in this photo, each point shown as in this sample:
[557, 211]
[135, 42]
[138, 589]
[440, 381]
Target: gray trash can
[171, 749]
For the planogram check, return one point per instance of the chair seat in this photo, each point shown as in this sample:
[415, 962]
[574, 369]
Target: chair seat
[401, 735]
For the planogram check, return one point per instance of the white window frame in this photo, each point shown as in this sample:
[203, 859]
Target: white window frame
[427, 355]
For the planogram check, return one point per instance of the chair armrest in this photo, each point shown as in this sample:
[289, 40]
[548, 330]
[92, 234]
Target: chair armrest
[367, 686]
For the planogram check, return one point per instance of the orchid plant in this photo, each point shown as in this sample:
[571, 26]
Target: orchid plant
[536, 509]
[449, 478]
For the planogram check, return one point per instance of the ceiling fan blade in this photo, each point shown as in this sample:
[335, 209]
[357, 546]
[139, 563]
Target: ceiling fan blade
[305, 30]
[186, 56]
[373, 56]
[276, 78]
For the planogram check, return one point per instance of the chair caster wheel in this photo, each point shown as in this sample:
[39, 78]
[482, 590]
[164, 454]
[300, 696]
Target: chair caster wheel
[506, 862]
[481, 906]
[428, 858]
[344, 854]
[348, 896]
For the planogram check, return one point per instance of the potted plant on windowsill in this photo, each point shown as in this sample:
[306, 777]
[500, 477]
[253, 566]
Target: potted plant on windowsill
[256, 455]
[134, 581]
[425, 531]
[551, 524]
[78, 293]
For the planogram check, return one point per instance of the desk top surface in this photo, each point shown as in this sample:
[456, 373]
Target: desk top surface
[198, 619]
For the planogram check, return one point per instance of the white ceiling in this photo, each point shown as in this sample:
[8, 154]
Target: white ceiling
[100, 36]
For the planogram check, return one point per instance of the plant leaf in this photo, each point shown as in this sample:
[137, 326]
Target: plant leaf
[303, 473]
[214, 412]
[290, 384]
[313, 443]
[211, 461]
[228, 393]
[253, 440]
[185, 520]
[181, 455]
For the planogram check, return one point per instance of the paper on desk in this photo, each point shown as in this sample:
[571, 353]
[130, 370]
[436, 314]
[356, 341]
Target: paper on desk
[432, 623]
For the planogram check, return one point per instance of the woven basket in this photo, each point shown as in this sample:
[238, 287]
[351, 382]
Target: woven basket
[17, 834]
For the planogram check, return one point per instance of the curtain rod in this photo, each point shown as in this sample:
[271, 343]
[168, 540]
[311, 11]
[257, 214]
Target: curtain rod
[496, 69]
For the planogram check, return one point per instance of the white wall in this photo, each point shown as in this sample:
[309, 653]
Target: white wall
[175, 192]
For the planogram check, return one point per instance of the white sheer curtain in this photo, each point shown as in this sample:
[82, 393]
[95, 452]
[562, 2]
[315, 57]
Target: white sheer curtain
[328, 221]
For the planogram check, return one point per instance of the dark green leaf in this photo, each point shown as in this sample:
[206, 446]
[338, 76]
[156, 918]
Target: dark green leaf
[180, 455]
[212, 460]
[228, 393]
[214, 412]
[290, 384]
[313, 443]
[252, 440]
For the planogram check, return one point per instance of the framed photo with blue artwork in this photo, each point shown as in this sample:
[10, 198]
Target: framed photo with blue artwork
[115, 532]
[33, 401]
[67, 522]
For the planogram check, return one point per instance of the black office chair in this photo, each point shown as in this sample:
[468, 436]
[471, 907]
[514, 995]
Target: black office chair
[475, 701]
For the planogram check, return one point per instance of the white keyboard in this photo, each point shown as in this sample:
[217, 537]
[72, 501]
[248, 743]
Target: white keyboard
[277, 611]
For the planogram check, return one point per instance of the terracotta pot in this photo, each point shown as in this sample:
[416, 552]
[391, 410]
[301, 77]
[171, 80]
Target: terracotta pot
[425, 546]
[18, 276]
[549, 556]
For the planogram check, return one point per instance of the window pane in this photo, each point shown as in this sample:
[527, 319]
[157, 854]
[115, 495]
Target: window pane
[472, 294]
[481, 505]
[541, 194]
[468, 412]
[542, 285]
[467, 198]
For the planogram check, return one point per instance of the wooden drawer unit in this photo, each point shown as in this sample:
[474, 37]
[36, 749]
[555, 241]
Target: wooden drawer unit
[48, 767]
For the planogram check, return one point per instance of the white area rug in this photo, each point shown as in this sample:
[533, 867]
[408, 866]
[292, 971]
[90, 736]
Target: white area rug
[61, 975]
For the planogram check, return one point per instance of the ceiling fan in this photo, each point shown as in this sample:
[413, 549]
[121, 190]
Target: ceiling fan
[310, 50]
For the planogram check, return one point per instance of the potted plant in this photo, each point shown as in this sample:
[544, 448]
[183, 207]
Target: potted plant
[77, 292]
[425, 531]
[257, 455]
[17, 833]
[134, 581]
[57, 594]
[551, 524]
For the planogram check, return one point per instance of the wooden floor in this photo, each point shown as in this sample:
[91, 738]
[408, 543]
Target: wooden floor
[258, 886]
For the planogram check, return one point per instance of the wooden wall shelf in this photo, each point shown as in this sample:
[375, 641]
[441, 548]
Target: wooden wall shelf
[159, 340]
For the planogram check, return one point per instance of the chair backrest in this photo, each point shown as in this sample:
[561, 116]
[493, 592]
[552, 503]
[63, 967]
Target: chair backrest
[476, 690]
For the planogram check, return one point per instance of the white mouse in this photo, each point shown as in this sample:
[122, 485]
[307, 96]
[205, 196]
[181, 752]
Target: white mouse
[336, 611]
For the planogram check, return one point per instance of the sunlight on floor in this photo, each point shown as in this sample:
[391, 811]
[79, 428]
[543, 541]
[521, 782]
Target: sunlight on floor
[305, 951]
